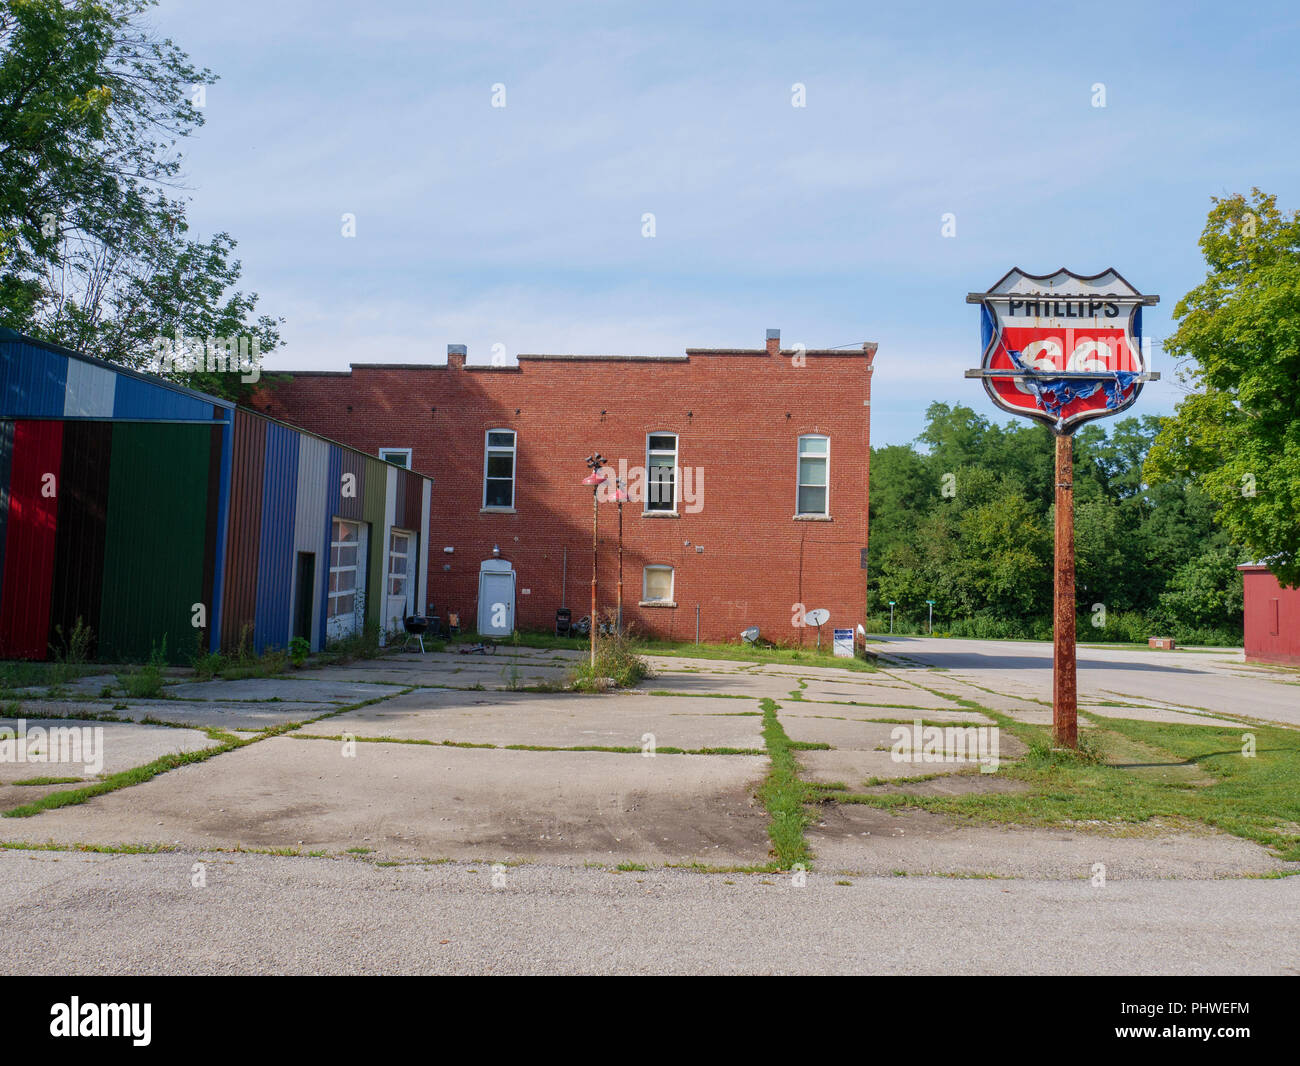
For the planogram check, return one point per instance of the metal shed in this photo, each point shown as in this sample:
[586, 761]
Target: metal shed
[155, 513]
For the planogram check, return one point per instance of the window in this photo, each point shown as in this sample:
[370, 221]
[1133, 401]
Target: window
[397, 456]
[399, 561]
[343, 567]
[814, 462]
[661, 472]
[499, 469]
[657, 584]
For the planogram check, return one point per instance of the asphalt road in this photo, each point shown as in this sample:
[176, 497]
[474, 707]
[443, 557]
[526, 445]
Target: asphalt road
[1203, 680]
[142, 914]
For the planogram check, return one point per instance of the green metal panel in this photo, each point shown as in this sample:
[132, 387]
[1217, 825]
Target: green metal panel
[375, 499]
[154, 540]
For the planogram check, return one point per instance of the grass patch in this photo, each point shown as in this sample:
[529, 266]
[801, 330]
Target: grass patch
[50, 781]
[1188, 774]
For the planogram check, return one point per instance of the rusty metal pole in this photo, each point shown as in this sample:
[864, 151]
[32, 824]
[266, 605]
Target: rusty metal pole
[595, 512]
[620, 567]
[1065, 712]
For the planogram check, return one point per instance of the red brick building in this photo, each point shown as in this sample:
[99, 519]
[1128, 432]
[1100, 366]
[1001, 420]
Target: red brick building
[747, 470]
[1272, 617]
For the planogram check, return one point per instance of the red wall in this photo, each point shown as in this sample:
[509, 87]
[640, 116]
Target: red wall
[29, 539]
[738, 416]
[1272, 618]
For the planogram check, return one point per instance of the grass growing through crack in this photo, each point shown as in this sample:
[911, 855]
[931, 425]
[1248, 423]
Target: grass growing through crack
[783, 794]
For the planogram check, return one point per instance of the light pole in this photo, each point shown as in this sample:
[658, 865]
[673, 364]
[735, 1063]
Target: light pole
[891, 615]
[595, 479]
[931, 603]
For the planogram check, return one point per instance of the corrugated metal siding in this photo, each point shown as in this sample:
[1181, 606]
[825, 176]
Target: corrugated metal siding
[332, 504]
[275, 560]
[413, 496]
[29, 540]
[153, 545]
[354, 463]
[90, 392]
[244, 527]
[6, 455]
[33, 381]
[212, 531]
[138, 399]
[83, 523]
[311, 521]
[376, 502]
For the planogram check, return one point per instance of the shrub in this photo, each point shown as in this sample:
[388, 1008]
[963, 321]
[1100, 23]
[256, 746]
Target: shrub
[146, 683]
[299, 649]
[617, 664]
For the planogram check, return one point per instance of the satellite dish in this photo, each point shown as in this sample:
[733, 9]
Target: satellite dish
[818, 617]
[750, 635]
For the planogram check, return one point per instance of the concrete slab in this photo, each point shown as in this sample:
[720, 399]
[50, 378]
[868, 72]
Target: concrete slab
[560, 720]
[413, 801]
[869, 840]
[705, 682]
[199, 713]
[1157, 714]
[873, 695]
[316, 688]
[108, 747]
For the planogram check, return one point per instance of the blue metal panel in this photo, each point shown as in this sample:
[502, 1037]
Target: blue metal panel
[331, 508]
[223, 520]
[146, 401]
[271, 623]
[33, 381]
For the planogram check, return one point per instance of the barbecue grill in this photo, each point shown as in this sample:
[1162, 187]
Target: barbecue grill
[415, 627]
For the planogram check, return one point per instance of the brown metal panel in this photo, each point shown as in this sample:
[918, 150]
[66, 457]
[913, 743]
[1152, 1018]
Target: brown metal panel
[243, 541]
[353, 506]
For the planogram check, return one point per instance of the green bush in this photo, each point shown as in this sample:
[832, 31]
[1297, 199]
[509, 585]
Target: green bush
[146, 683]
[299, 649]
[617, 664]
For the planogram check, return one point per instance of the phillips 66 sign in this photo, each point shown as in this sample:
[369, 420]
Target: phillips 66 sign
[1064, 348]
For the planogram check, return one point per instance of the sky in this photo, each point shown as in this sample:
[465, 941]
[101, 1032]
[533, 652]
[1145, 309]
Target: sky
[520, 228]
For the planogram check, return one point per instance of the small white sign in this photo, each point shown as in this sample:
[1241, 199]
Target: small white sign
[844, 643]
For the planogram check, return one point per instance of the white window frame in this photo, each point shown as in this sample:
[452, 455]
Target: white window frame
[798, 475]
[498, 449]
[672, 585]
[677, 474]
[408, 556]
[355, 543]
[384, 454]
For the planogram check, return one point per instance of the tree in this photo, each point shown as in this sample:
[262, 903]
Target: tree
[94, 252]
[1238, 438]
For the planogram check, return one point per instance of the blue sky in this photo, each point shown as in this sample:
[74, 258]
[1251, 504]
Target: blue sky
[521, 226]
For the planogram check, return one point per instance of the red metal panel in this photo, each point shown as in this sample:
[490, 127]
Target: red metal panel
[243, 542]
[29, 540]
[1272, 618]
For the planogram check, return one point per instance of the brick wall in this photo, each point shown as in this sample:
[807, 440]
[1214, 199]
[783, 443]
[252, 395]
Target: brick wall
[738, 416]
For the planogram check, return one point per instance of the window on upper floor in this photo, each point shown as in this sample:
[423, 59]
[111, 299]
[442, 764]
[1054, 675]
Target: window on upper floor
[814, 476]
[397, 456]
[499, 469]
[661, 472]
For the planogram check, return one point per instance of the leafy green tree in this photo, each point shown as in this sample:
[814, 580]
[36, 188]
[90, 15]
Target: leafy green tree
[1204, 590]
[1238, 437]
[94, 251]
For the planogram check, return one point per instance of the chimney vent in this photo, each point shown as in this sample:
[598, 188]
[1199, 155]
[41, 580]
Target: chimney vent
[773, 342]
[456, 355]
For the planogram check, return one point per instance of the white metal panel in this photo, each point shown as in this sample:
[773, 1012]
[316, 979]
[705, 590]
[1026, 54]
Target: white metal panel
[90, 391]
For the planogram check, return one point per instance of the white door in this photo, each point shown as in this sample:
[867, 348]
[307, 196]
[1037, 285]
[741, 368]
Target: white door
[401, 589]
[345, 591]
[496, 598]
